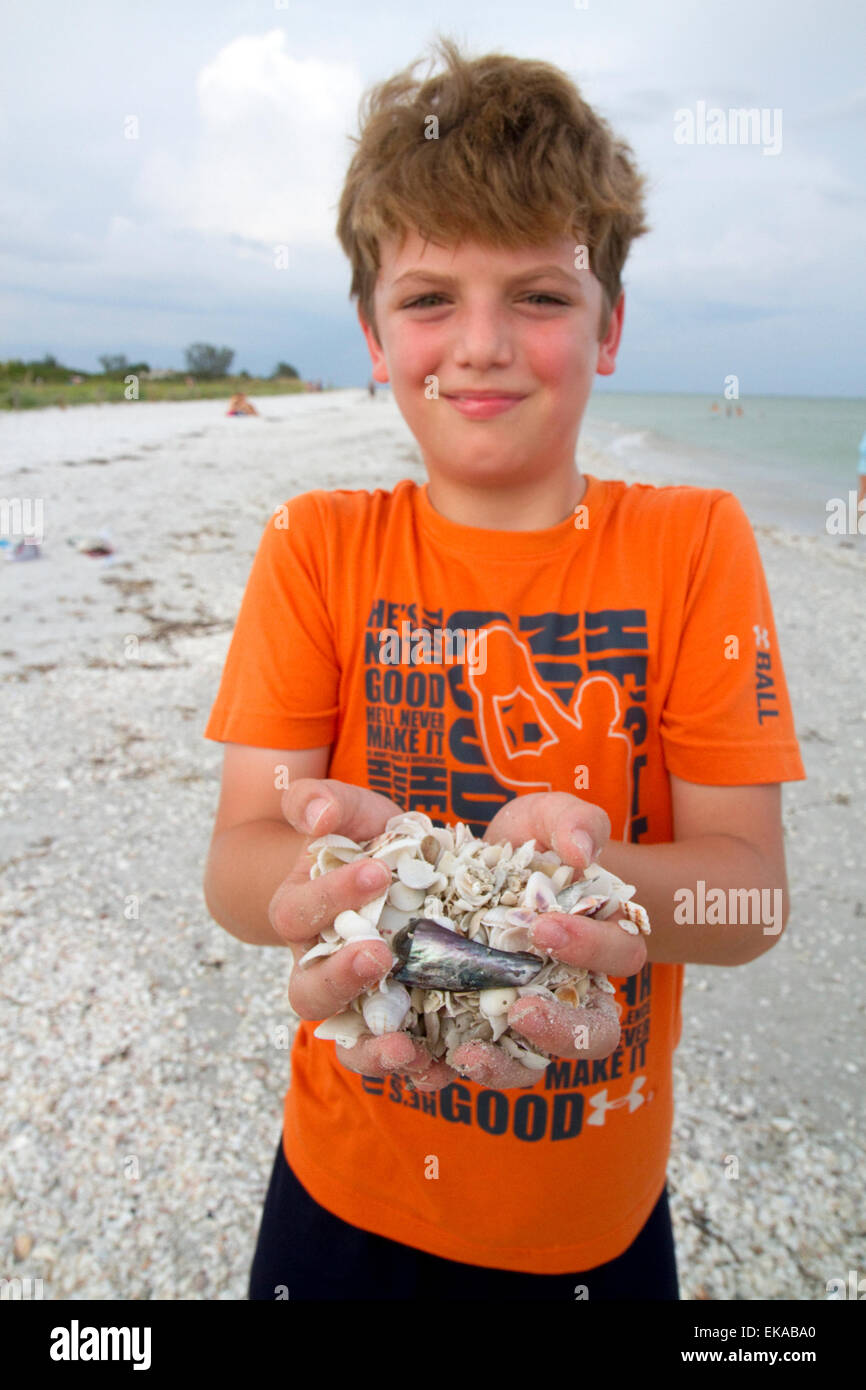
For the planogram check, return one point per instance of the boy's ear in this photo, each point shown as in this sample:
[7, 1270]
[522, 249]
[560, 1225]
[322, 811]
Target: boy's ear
[609, 345]
[377, 356]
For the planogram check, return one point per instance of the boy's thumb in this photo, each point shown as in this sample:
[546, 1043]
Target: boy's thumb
[313, 812]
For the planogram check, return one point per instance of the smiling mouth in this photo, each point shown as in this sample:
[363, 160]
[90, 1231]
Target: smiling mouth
[483, 405]
[483, 395]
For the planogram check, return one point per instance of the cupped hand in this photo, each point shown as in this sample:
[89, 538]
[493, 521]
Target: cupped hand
[302, 907]
[577, 831]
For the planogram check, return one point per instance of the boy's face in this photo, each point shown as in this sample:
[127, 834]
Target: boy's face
[521, 326]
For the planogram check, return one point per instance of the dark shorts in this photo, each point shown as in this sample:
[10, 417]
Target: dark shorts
[305, 1252]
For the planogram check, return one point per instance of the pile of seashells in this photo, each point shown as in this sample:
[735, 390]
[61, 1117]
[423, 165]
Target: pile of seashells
[457, 916]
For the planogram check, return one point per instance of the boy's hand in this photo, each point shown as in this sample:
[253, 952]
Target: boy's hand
[302, 907]
[551, 819]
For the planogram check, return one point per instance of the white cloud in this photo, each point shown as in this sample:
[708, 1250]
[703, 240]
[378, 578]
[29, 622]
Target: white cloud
[268, 158]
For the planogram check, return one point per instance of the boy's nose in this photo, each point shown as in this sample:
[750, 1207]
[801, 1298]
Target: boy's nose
[482, 338]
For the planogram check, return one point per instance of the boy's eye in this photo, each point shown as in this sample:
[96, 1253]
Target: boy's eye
[537, 294]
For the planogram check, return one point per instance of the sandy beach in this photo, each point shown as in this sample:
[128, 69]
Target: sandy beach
[144, 1060]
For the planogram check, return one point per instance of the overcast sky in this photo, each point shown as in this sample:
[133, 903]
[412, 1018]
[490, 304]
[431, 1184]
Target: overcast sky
[755, 264]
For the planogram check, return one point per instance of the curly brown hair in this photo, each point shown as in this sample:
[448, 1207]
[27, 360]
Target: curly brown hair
[518, 159]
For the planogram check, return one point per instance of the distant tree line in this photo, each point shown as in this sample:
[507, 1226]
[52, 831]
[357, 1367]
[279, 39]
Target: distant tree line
[203, 360]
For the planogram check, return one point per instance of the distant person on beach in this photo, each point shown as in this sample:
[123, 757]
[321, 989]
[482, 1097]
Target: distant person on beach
[371, 387]
[861, 470]
[239, 405]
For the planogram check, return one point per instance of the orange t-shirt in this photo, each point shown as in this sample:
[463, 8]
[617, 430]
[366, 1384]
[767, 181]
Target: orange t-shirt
[610, 647]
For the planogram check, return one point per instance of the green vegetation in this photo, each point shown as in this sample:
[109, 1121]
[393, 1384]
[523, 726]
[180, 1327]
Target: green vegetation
[29, 385]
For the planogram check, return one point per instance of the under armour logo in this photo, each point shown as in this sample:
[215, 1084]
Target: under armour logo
[761, 637]
[600, 1103]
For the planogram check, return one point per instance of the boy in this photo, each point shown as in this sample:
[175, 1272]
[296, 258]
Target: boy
[630, 656]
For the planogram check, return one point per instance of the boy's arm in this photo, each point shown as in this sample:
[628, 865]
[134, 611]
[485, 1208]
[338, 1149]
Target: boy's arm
[252, 847]
[727, 838]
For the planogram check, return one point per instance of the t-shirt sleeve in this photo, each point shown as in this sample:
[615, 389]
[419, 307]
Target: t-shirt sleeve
[727, 718]
[279, 686]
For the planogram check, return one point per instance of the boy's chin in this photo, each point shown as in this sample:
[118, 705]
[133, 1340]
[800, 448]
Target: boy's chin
[488, 471]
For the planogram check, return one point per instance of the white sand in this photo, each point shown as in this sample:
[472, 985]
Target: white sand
[142, 1070]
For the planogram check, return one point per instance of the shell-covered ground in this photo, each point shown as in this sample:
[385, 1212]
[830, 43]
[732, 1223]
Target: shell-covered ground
[146, 1050]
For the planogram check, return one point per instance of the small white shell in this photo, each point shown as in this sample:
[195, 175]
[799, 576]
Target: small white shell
[493, 1002]
[501, 870]
[415, 873]
[523, 1054]
[445, 837]
[534, 988]
[390, 853]
[601, 982]
[637, 914]
[539, 893]
[373, 910]
[392, 920]
[573, 992]
[447, 863]
[506, 937]
[351, 926]
[385, 1010]
[430, 848]
[345, 1029]
[434, 909]
[411, 824]
[332, 851]
[473, 882]
[591, 905]
[322, 948]
[494, 916]
[462, 835]
[335, 843]
[602, 881]
[403, 898]
[523, 856]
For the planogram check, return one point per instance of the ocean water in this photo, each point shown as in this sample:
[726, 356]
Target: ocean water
[784, 457]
